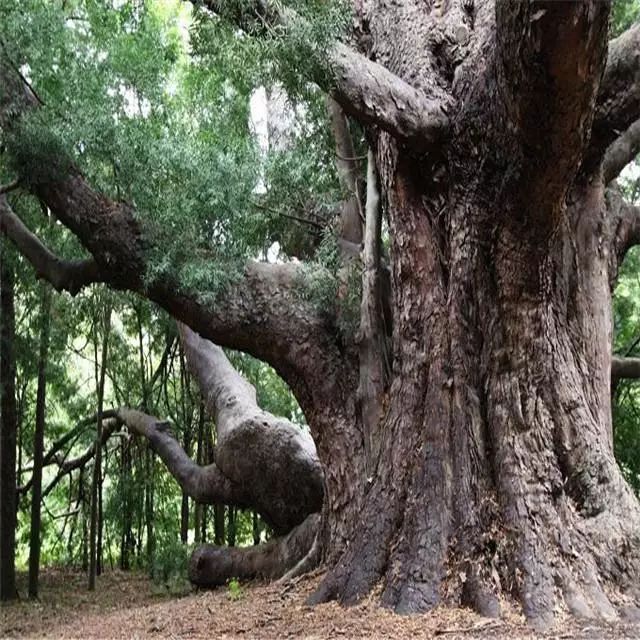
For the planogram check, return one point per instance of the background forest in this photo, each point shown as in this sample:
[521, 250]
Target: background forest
[193, 128]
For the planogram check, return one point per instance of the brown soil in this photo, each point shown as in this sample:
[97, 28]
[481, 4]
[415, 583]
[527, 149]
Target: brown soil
[128, 605]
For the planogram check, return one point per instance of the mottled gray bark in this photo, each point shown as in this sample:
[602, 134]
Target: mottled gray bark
[278, 456]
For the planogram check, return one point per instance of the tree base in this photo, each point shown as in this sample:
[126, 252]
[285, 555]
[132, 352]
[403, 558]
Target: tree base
[583, 564]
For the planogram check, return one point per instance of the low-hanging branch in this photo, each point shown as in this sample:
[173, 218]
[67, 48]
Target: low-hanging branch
[621, 152]
[212, 566]
[64, 275]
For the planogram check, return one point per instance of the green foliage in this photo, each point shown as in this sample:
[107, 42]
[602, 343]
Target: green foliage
[171, 566]
[623, 14]
[159, 94]
[330, 289]
[626, 401]
[234, 590]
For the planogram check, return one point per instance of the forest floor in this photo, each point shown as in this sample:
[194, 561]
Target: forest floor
[129, 605]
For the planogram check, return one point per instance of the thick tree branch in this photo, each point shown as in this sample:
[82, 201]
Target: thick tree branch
[621, 152]
[624, 368]
[68, 275]
[212, 566]
[275, 460]
[550, 57]
[618, 102]
[373, 95]
[365, 90]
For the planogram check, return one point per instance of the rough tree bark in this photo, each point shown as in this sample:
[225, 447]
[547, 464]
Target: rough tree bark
[495, 473]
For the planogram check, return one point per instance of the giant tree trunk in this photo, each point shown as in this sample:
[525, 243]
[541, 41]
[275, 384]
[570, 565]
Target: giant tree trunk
[496, 472]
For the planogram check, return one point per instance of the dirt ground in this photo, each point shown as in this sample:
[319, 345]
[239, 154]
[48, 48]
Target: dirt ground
[129, 605]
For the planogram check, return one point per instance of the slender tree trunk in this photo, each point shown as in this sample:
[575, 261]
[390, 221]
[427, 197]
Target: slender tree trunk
[148, 505]
[198, 518]
[184, 518]
[140, 477]
[232, 514]
[75, 520]
[85, 528]
[218, 524]
[100, 522]
[97, 464]
[148, 459]
[8, 426]
[126, 542]
[38, 444]
[203, 528]
[187, 426]
[255, 527]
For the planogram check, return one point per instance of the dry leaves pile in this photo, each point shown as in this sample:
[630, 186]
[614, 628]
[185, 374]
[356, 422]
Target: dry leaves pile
[128, 605]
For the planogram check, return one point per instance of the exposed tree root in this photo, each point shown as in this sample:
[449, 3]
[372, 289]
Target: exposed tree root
[212, 566]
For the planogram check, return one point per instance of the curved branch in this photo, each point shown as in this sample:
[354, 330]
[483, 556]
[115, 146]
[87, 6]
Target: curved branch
[372, 94]
[263, 314]
[68, 275]
[204, 484]
[550, 55]
[618, 102]
[366, 90]
[621, 152]
[275, 460]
